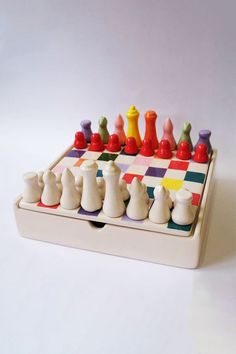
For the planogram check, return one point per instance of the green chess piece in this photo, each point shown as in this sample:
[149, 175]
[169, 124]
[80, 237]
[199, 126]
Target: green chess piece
[102, 130]
[185, 135]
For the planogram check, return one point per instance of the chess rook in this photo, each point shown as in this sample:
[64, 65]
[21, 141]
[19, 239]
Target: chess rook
[204, 138]
[150, 130]
[86, 129]
[119, 129]
[91, 199]
[182, 213]
[32, 190]
[168, 133]
[133, 130]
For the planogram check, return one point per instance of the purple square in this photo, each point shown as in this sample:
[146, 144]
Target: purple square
[155, 172]
[123, 166]
[75, 153]
[84, 212]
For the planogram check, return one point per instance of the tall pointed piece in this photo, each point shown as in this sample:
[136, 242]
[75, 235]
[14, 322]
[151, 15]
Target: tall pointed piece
[150, 131]
[133, 130]
[168, 133]
[185, 135]
[119, 129]
[102, 129]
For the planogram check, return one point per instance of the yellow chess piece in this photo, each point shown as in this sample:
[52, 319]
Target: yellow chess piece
[132, 117]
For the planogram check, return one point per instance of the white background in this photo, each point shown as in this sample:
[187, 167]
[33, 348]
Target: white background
[63, 61]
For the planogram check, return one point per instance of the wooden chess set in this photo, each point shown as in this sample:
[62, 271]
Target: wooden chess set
[123, 195]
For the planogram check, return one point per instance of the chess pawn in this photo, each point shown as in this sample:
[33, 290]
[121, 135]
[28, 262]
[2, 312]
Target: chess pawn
[102, 130]
[79, 184]
[185, 135]
[123, 189]
[137, 208]
[101, 186]
[160, 211]
[91, 199]
[204, 138]
[40, 179]
[183, 213]
[113, 205]
[119, 129]
[32, 190]
[168, 133]
[51, 193]
[86, 129]
[70, 198]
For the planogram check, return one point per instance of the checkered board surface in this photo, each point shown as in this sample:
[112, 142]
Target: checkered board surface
[172, 173]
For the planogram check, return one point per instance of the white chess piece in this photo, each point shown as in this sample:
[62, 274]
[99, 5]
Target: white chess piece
[145, 193]
[113, 205]
[32, 190]
[79, 183]
[101, 186]
[183, 213]
[124, 189]
[91, 199]
[160, 211]
[40, 179]
[58, 180]
[170, 203]
[51, 194]
[70, 198]
[137, 208]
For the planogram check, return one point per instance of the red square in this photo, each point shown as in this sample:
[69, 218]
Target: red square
[196, 199]
[128, 177]
[178, 165]
[40, 204]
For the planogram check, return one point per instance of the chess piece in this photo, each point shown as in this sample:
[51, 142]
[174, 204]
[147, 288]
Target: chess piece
[133, 130]
[201, 154]
[182, 213]
[102, 129]
[91, 199]
[184, 152]
[58, 180]
[86, 129]
[147, 149]
[79, 184]
[113, 205]
[137, 208]
[51, 194]
[160, 211]
[131, 147]
[101, 186]
[168, 133]
[70, 198]
[96, 143]
[185, 135]
[146, 196]
[150, 130]
[80, 141]
[204, 138]
[169, 200]
[119, 129]
[40, 179]
[32, 190]
[113, 143]
[164, 151]
[123, 189]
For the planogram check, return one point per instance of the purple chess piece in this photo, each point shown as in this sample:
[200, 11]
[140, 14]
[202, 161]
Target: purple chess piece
[204, 138]
[86, 129]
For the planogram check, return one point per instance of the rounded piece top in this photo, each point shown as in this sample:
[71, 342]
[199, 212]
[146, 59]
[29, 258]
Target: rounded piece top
[89, 165]
[184, 196]
[111, 169]
[132, 112]
[152, 115]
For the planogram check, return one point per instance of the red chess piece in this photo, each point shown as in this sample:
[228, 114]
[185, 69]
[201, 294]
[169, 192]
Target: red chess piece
[184, 151]
[201, 154]
[131, 147]
[164, 151]
[113, 143]
[96, 143]
[147, 149]
[80, 142]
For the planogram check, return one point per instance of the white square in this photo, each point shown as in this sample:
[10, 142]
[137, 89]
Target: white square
[198, 167]
[151, 181]
[128, 160]
[161, 163]
[137, 169]
[91, 155]
[69, 161]
[175, 174]
[193, 187]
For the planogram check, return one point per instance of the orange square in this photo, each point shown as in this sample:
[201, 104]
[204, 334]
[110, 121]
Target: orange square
[79, 162]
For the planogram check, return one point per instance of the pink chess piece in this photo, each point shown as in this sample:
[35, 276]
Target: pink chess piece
[119, 129]
[168, 133]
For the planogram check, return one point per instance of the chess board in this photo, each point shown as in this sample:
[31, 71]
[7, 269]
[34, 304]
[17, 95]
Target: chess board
[173, 174]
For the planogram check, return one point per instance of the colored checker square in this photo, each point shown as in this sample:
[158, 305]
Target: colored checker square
[160, 163]
[99, 173]
[126, 159]
[170, 183]
[151, 181]
[150, 191]
[155, 172]
[84, 212]
[124, 153]
[91, 155]
[68, 161]
[107, 157]
[193, 187]
[41, 205]
[194, 177]
[123, 166]
[137, 169]
[178, 165]
[173, 225]
[128, 177]
[198, 167]
[175, 174]
[75, 153]
[142, 160]
[196, 199]
[79, 162]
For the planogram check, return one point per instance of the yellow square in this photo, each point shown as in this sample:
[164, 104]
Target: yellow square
[174, 184]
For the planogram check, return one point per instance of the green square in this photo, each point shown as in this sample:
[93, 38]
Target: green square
[194, 177]
[150, 191]
[173, 225]
[107, 157]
